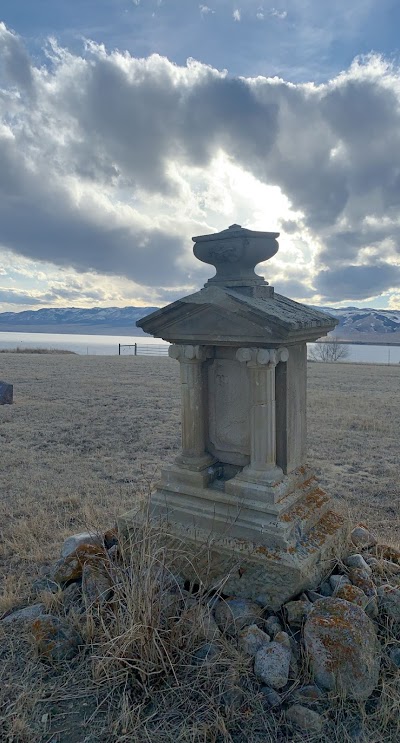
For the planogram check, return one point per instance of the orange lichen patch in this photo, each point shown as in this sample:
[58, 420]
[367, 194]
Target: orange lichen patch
[363, 581]
[353, 594]
[328, 525]
[70, 568]
[311, 502]
[261, 550]
[55, 638]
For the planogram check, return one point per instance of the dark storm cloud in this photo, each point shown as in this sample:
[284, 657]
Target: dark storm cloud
[115, 124]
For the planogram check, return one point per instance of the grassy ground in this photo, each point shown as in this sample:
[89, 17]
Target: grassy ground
[87, 435]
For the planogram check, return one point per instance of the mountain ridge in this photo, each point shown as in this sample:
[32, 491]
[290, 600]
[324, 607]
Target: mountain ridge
[354, 322]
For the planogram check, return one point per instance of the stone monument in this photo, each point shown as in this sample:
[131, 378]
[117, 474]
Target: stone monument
[240, 495]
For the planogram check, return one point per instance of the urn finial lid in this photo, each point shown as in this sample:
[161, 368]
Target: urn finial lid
[235, 252]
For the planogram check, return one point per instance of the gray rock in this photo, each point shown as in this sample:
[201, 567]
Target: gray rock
[325, 588]
[207, 653]
[343, 648]
[353, 594]
[6, 393]
[56, 639]
[305, 719]
[362, 537]
[296, 612]
[96, 584]
[72, 599]
[357, 561]
[232, 615]
[284, 639]
[362, 579]
[28, 613]
[75, 540]
[337, 581]
[309, 694]
[252, 638]
[394, 655]
[45, 584]
[271, 696]
[272, 664]
[371, 609]
[389, 602]
[273, 625]
[314, 596]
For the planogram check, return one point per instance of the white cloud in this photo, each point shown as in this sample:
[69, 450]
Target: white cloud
[108, 165]
[205, 10]
[237, 15]
[280, 14]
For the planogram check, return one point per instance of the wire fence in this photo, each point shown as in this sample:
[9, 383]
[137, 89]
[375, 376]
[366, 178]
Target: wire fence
[143, 350]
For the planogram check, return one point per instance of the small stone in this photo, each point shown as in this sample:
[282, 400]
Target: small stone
[314, 596]
[392, 568]
[251, 639]
[343, 648]
[271, 696]
[207, 653]
[72, 599]
[232, 615]
[362, 537]
[305, 719]
[371, 609]
[96, 584]
[110, 538]
[76, 540]
[296, 612]
[70, 568]
[309, 694]
[389, 602]
[44, 584]
[55, 639]
[272, 664]
[357, 561]
[326, 589]
[337, 581]
[363, 580]
[273, 625]
[6, 393]
[394, 655]
[28, 613]
[284, 639]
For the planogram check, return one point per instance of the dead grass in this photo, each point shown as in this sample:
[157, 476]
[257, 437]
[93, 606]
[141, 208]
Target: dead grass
[84, 436]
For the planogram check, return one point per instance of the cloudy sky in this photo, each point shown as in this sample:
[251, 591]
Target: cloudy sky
[127, 126]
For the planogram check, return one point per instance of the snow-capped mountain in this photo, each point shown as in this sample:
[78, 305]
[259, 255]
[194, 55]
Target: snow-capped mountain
[365, 325]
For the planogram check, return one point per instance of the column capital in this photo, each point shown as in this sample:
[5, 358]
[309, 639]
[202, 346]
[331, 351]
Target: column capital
[262, 357]
[189, 353]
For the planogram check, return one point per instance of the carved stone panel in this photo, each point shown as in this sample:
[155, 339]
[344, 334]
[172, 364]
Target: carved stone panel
[229, 425]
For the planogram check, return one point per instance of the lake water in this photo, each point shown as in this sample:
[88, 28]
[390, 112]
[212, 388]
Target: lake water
[108, 345]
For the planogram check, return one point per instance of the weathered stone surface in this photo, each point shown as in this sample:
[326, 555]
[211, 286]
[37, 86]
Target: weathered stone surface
[251, 639]
[343, 648]
[273, 625]
[314, 596]
[353, 594]
[207, 653]
[76, 540]
[389, 602]
[305, 719]
[56, 640]
[232, 615]
[72, 598]
[309, 694]
[337, 581]
[6, 393]
[284, 639]
[363, 580]
[28, 613]
[357, 561]
[271, 696]
[70, 568]
[111, 538]
[96, 584]
[394, 655]
[272, 663]
[296, 612]
[44, 584]
[325, 588]
[362, 537]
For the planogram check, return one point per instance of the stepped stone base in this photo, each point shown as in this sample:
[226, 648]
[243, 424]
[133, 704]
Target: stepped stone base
[264, 542]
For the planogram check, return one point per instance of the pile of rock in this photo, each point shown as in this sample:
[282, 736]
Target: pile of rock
[325, 642]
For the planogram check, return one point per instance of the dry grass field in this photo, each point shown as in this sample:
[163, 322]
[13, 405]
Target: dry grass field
[87, 436]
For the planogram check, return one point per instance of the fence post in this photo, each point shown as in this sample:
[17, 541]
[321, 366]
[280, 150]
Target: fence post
[119, 349]
[135, 349]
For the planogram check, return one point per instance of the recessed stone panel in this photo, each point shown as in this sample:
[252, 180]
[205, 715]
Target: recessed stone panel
[229, 428]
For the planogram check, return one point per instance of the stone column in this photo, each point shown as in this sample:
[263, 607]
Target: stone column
[194, 406]
[261, 364]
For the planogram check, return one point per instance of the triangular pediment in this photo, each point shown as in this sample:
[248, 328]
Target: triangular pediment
[214, 323]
